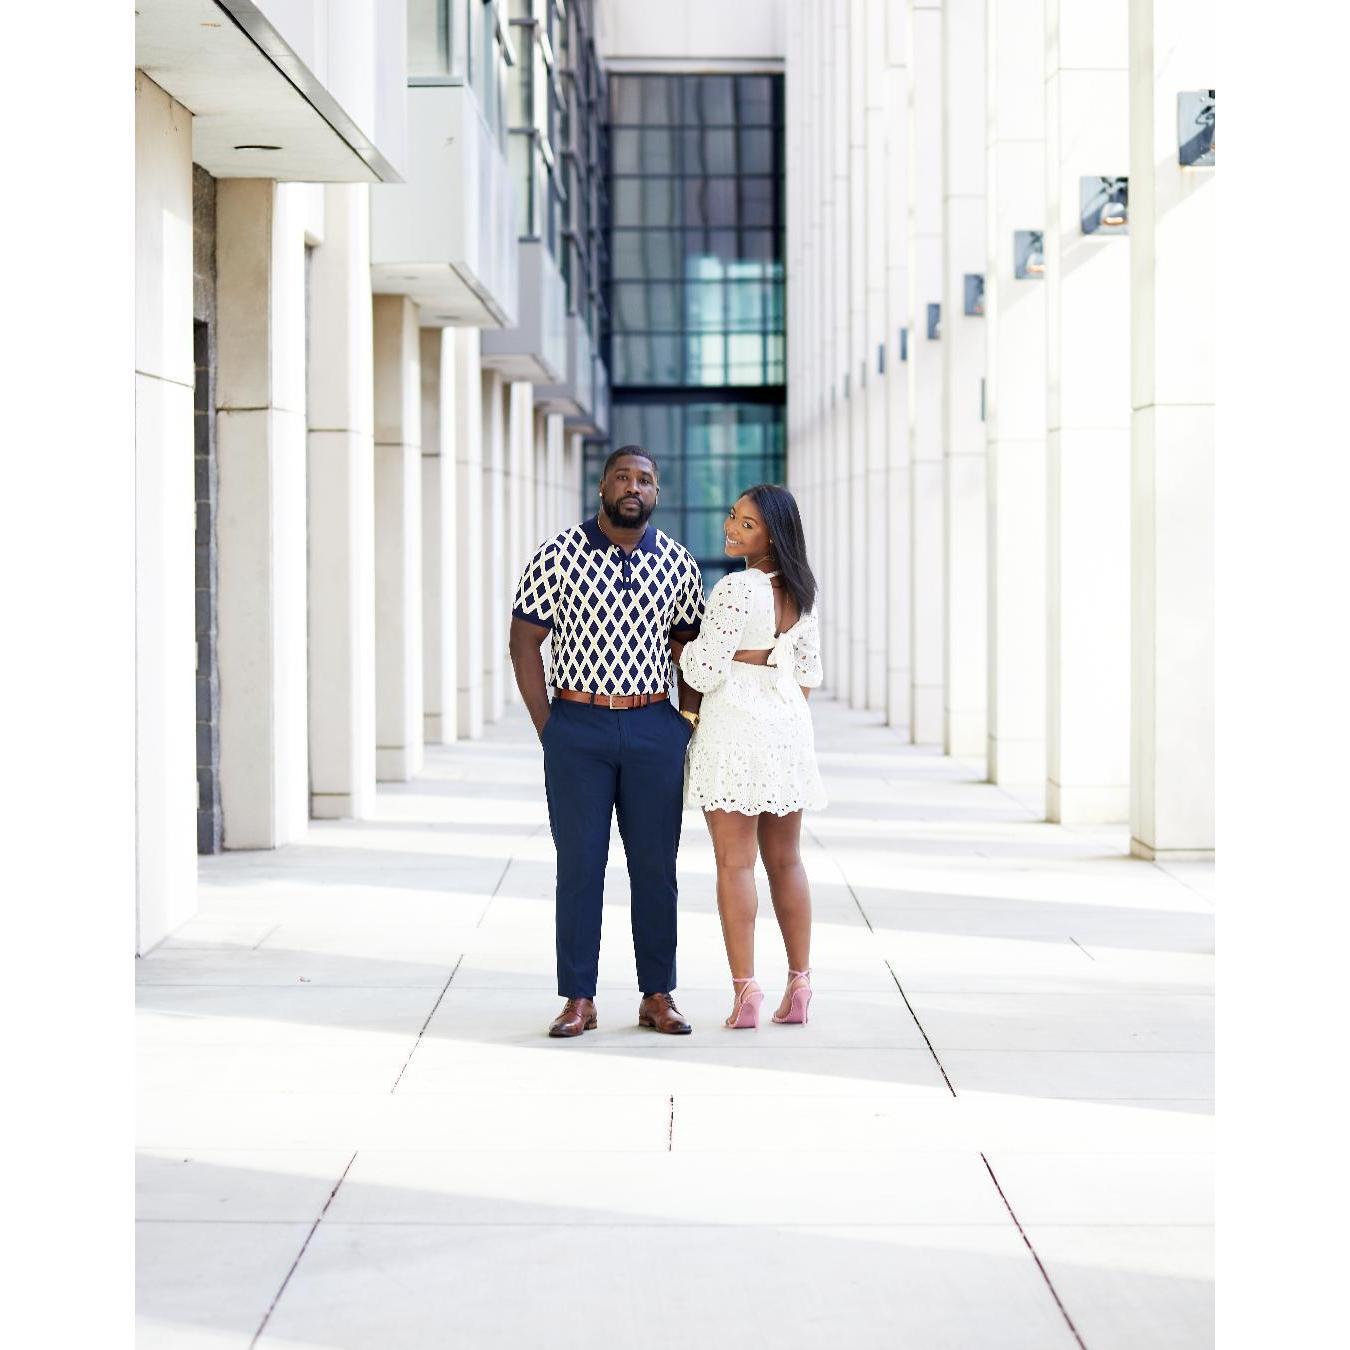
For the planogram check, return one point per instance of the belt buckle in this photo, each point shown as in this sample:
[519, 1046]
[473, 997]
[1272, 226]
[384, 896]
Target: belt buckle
[609, 703]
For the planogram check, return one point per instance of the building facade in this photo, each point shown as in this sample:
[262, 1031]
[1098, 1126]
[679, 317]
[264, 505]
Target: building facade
[405, 272]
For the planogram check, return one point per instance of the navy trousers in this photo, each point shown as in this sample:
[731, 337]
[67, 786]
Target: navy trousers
[598, 762]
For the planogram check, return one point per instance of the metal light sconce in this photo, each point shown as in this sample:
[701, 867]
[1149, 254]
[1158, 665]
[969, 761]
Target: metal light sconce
[904, 344]
[934, 322]
[1028, 255]
[1195, 129]
[974, 288]
[1105, 205]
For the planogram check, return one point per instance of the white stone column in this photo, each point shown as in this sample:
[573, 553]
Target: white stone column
[398, 540]
[1172, 227]
[498, 579]
[927, 497]
[468, 438]
[440, 690]
[166, 864]
[878, 542]
[1087, 420]
[899, 583]
[839, 617]
[965, 617]
[261, 447]
[574, 496]
[553, 440]
[857, 364]
[1015, 397]
[341, 491]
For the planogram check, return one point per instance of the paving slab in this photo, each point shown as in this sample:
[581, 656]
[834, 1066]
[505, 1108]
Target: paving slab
[371, 1004]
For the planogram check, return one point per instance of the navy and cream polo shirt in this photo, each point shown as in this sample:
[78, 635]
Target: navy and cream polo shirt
[612, 613]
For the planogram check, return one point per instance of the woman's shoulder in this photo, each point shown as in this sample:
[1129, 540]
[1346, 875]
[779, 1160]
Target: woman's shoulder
[734, 583]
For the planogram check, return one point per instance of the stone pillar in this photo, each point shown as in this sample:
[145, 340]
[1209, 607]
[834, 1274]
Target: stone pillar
[341, 488]
[440, 689]
[1087, 420]
[553, 438]
[261, 440]
[856, 362]
[965, 617]
[839, 625]
[398, 540]
[498, 579]
[519, 506]
[899, 585]
[927, 547]
[878, 543]
[1015, 398]
[468, 438]
[1172, 48]
[166, 864]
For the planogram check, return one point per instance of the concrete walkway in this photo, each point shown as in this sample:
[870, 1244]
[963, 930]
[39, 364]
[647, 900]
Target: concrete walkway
[994, 1133]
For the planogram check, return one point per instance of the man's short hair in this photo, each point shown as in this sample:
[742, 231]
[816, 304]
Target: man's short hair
[623, 451]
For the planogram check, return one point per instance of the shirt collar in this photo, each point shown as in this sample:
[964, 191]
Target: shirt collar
[598, 539]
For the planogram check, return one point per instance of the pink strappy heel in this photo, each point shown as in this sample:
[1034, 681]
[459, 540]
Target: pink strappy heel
[745, 1010]
[801, 998]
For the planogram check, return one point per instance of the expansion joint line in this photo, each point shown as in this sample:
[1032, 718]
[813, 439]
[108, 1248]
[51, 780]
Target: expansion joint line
[919, 1024]
[1045, 1275]
[426, 1024]
[304, 1246]
[848, 885]
[670, 1127]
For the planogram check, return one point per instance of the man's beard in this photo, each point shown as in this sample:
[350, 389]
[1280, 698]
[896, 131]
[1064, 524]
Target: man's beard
[627, 520]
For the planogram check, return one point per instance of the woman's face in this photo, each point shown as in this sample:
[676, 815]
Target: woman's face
[746, 536]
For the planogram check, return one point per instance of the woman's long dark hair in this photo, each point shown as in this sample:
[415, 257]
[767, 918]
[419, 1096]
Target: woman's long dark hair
[778, 509]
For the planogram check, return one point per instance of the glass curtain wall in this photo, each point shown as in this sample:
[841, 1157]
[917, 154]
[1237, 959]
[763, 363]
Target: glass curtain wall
[696, 333]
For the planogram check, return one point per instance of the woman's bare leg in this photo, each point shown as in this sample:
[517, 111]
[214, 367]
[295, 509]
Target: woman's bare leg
[780, 847]
[733, 837]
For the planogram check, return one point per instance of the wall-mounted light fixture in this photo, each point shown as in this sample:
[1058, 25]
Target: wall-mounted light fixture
[1195, 128]
[881, 358]
[1028, 254]
[974, 284]
[934, 322]
[1105, 205]
[904, 344]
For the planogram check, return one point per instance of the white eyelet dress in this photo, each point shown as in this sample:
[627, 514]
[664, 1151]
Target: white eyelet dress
[754, 750]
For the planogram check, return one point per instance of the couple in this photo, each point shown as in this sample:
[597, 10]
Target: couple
[620, 598]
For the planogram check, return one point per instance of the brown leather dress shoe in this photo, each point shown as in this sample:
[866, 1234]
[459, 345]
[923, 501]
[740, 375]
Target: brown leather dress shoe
[578, 1015]
[659, 1012]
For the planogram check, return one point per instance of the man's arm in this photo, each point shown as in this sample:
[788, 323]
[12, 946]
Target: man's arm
[527, 660]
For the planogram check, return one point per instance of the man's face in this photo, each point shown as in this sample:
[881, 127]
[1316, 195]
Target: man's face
[628, 492]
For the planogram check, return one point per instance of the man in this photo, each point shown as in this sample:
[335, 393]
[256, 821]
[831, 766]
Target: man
[618, 597]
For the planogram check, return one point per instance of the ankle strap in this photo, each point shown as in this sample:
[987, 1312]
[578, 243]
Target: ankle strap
[807, 971]
[743, 979]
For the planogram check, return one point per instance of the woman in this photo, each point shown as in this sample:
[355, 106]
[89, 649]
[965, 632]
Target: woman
[752, 763]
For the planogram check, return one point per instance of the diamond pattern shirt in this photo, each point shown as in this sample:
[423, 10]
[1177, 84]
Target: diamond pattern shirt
[612, 614]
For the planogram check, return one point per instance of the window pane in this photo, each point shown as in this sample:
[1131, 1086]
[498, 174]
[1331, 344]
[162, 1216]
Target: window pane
[707, 359]
[705, 305]
[710, 202]
[758, 196]
[646, 253]
[709, 152]
[643, 150]
[756, 151]
[755, 99]
[709, 100]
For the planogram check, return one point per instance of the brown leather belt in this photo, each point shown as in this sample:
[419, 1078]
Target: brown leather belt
[619, 702]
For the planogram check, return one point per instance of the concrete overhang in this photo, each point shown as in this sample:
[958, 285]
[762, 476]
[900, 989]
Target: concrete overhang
[246, 87]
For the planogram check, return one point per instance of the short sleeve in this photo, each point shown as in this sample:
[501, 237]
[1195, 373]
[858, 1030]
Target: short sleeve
[704, 662]
[806, 668]
[536, 588]
[688, 618]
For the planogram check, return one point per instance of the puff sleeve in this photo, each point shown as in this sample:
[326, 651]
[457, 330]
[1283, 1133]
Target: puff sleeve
[806, 669]
[705, 660]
